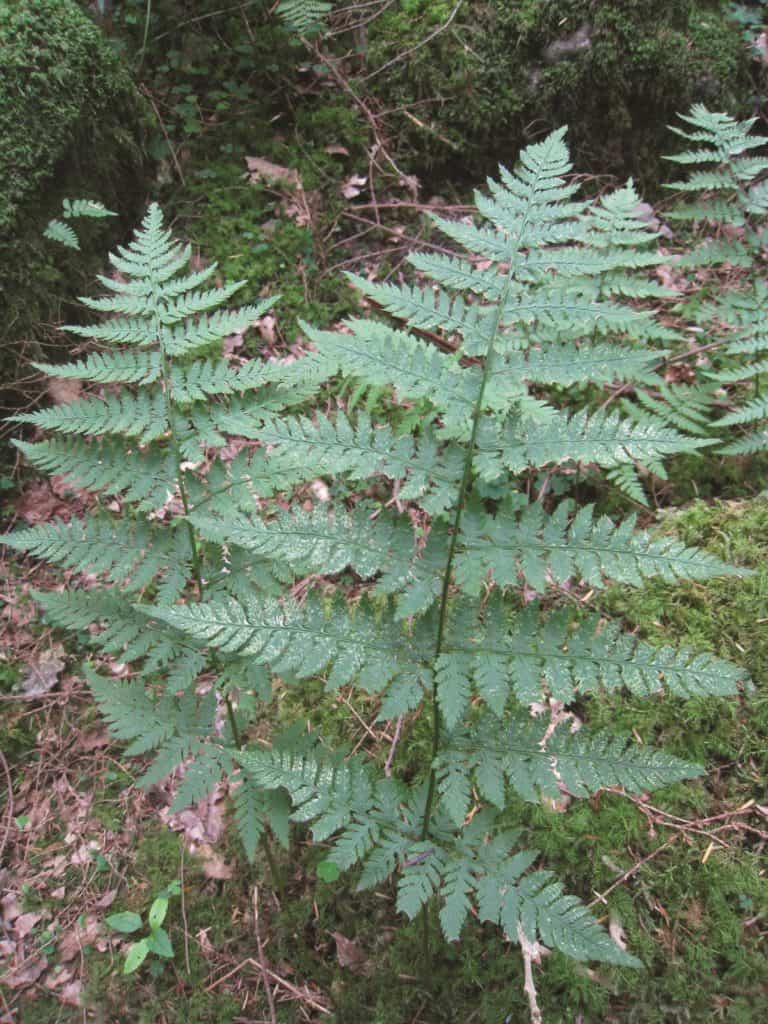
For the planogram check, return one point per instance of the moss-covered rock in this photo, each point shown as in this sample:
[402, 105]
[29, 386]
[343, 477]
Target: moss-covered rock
[507, 71]
[71, 126]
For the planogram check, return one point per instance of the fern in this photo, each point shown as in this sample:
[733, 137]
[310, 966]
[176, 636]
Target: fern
[303, 17]
[59, 231]
[728, 182]
[442, 555]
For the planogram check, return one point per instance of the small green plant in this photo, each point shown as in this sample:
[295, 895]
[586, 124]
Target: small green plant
[304, 17]
[724, 207]
[435, 577]
[729, 178]
[62, 232]
[156, 942]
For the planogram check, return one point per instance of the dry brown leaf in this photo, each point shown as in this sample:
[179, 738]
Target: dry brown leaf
[320, 490]
[95, 740]
[261, 169]
[26, 974]
[70, 945]
[267, 328]
[39, 504]
[234, 341]
[214, 866]
[11, 909]
[57, 977]
[71, 993]
[206, 946]
[336, 150]
[616, 932]
[43, 675]
[24, 924]
[348, 953]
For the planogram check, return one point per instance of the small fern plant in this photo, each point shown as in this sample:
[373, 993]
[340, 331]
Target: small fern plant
[433, 578]
[59, 230]
[730, 187]
[304, 17]
[147, 440]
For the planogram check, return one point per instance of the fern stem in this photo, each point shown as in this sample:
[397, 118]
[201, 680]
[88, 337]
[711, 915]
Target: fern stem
[197, 571]
[426, 950]
[236, 736]
[466, 478]
[275, 874]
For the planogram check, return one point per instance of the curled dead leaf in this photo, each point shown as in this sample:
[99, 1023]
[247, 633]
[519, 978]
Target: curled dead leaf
[616, 931]
[352, 186]
[64, 391]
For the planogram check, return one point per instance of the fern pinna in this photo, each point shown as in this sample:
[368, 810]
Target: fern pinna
[445, 578]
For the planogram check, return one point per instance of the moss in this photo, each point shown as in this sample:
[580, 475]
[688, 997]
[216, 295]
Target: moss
[500, 77]
[168, 989]
[243, 228]
[18, 730]
[71, 126]
[45, 1009]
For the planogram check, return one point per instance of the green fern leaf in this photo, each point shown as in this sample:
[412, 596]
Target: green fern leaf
[58, 231]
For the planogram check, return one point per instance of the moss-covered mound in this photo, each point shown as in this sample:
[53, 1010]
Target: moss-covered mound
[505, 72]
[70, 126]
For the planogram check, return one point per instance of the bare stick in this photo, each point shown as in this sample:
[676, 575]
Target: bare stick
[184, 913]
[9, 804]
[393, 747]
[531, 955]
[262, 959]
[601, 896]
[160, 121]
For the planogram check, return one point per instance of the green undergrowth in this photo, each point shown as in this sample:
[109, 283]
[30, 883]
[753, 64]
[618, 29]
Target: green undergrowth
[243, 228]
[725, 616]
[166, 990]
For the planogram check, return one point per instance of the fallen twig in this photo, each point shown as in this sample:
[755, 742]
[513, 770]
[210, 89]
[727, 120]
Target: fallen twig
[262, 958]
[531, 955]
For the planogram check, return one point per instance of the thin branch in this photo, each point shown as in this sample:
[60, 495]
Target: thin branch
[9, 806]
[262, 958]
[393, 747]
[531, 955]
